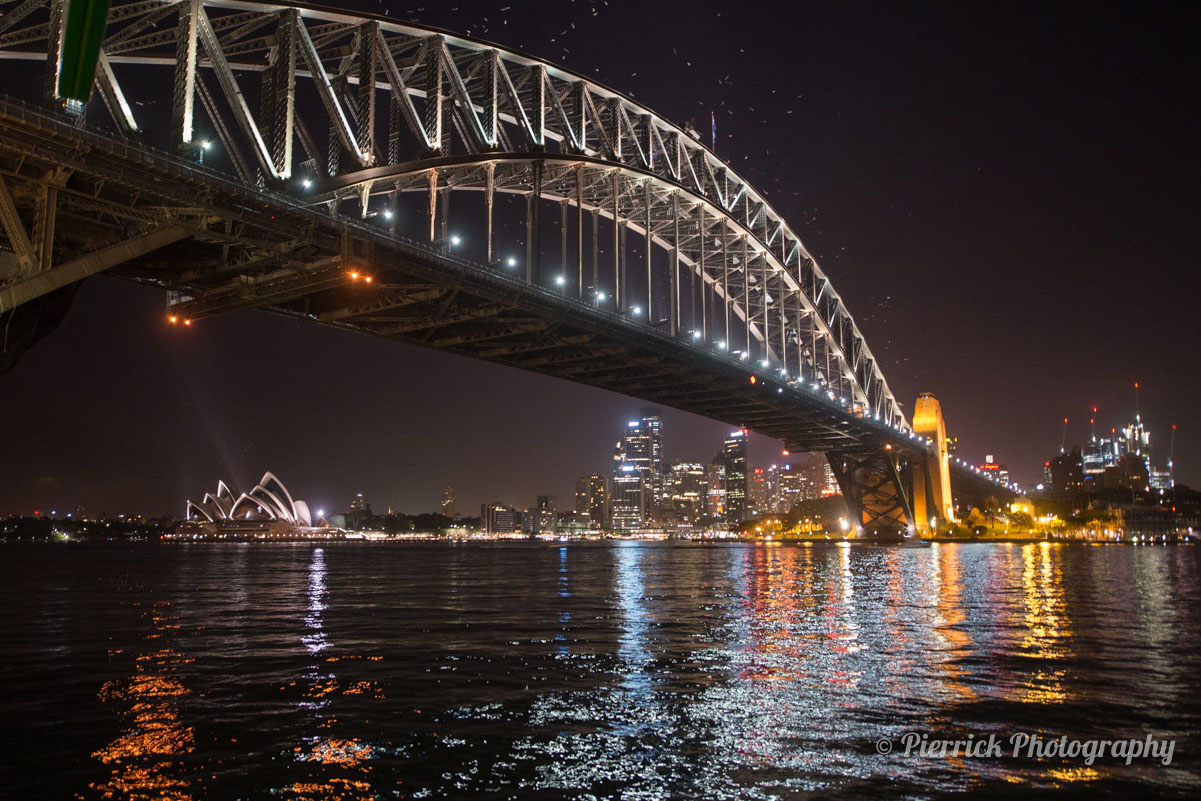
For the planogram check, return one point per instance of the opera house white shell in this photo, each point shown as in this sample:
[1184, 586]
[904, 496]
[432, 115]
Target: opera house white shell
[269, 500]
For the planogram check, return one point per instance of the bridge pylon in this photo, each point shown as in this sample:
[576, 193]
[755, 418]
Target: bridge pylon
[878, 488]
[893, 492]
[932, 499]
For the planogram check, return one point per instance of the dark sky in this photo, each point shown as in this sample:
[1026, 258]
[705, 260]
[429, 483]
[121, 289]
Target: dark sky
[1006, 196]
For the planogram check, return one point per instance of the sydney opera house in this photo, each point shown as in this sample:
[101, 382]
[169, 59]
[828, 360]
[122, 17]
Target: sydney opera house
[268, 506]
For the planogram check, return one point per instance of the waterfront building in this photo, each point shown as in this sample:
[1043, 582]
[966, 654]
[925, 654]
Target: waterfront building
[497, 518]
[268, 502]
[732, 457]
[788, 489]
[686, 492]
[1067, 472]
[817, 479]
[652, 424]
[545, 516]
[715, 481]
[1161, 479]
[448, 502]
[642, 447]
[592, 499]
[757, 491]
[628, 503]
[1130, 473]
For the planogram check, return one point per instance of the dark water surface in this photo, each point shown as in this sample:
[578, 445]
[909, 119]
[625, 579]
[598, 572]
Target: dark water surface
[621, 670]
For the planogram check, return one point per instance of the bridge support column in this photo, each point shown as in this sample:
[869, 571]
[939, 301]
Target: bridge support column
[932, 500]
[878, 489]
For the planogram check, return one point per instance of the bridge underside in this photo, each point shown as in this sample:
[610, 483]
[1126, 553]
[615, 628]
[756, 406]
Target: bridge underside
[218, 246]
[77, 204]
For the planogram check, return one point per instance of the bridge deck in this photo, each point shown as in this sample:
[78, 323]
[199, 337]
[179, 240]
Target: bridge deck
[258, 249]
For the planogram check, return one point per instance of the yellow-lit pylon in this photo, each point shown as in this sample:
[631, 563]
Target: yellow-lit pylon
[932, 482]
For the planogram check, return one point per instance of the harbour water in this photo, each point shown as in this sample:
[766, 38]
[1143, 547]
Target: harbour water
[622, 670]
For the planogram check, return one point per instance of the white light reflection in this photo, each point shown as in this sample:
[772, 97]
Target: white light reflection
[315, 641]
[632, 650]
[564, 615]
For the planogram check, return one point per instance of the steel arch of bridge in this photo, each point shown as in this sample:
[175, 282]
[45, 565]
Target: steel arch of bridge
[362, 106]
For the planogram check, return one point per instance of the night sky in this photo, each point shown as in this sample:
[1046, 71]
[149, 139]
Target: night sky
[1006, 197]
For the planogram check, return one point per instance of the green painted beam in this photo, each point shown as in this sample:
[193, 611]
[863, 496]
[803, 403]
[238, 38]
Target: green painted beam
[83, 32]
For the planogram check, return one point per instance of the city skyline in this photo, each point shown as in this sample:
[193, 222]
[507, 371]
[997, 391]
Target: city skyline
[921, 220]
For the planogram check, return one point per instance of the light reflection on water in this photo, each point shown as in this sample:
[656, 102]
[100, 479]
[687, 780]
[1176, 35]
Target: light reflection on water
[143, 760]
[625, 670]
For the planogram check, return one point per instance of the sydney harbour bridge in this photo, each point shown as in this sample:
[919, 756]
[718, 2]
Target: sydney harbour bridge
[426, 187]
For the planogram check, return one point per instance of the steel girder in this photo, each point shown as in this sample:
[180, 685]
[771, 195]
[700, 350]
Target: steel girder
[322, 71]
[877, 486]
[109, 188]
[755, 299]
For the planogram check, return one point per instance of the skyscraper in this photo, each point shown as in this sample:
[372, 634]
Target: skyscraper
[715, 478]
[733, 458]
[788, 489]
[686, 491]
[652, 424]
[592, 500]
[629, 498]
[757, 491]
[448, 501]
[545, 515]
[641, 447]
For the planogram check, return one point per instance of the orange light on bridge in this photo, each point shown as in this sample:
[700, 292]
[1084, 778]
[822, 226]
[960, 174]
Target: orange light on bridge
[354, 276]
[754, 380]
[887, 446]
[187, 322]
[173, 319]
[367, 278]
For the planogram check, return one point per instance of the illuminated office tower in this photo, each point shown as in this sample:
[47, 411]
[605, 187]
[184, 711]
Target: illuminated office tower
[715, 481]
[628, 500]
[592, 500]
[642, 447]
[733, 458]
[788, 489]
[686, 493]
